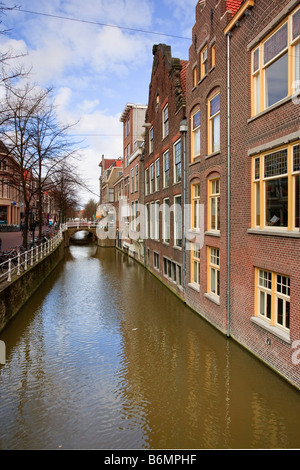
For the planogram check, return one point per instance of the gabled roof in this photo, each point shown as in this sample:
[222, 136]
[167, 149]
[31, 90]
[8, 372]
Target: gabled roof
[107, 162]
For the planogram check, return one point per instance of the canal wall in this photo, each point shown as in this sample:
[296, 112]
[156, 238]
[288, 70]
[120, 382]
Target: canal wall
[14, 294]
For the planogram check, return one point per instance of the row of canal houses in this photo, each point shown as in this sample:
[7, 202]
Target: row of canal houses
[210, 169]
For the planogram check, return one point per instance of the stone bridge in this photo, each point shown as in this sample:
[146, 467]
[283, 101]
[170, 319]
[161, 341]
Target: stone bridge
[94, 228]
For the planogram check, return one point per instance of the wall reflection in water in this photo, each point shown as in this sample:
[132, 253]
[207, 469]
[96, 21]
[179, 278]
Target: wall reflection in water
[105, 357]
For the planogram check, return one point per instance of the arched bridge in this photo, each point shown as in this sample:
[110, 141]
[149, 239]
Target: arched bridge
[71, 227]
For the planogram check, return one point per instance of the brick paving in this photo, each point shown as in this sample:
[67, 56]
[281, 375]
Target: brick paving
[15, 239]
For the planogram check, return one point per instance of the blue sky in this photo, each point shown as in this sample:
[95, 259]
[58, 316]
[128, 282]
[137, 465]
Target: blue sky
[96, 69]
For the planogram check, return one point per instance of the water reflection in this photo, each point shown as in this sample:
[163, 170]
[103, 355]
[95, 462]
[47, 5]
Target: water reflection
[103, 356]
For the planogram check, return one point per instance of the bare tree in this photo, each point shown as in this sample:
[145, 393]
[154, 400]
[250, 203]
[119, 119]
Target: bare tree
[40, 146]
[10, 68]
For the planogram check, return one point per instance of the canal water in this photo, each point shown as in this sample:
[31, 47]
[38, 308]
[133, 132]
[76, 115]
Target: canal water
[104, 357]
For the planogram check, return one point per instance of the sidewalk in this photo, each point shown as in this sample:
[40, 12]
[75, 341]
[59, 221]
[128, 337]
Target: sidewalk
[11, 239]
[15, 239]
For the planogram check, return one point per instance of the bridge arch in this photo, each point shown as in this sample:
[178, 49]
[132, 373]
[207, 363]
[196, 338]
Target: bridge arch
[70, 228]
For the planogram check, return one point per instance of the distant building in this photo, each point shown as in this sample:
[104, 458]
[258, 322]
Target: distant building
[111, 169]
[10, 202]
[133, 119]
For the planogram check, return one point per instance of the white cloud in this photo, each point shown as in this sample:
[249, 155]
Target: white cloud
[95, 70]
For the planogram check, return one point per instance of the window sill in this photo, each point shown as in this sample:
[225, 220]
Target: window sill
[274, 232]
[212, 233]
[270, 108]
[196, 160]
[194, 286]
[177, 247]
[275, 330]
[214, 298]
[213, 154]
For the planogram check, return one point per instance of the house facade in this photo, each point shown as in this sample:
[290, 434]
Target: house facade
[207, 165]
[133, 119]
[243, 175]
[264, 44]
[219, 175]
[164, 169]
[10, 201]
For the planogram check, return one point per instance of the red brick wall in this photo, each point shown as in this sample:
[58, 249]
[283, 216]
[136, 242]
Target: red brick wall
[207, 30]
[164, 83]
[279, 254]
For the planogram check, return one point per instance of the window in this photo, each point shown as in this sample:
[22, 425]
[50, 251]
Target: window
[131, 180]
[111, 194]
[151, 140]
[156, 230]
[213, 55]
[147, 221]
[296, 45]
[195, 76]
[156, 260]
[214, 271]
[195, 193]
[147, 181]
[214, 204]
[275, 200]
[166, 221]
[177, 161]
[134, 215]
[152, 220]
[136, 177]
[165, 121]
[177, 222]
[214, 124]
[152, 178]
[195, 264]
[195, 126]
[166, 168]
[203, 62]
[172, 271]
[157, 175]
[272, 60]
[273, 298]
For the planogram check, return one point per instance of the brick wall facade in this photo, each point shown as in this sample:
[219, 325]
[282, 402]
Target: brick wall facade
[166, 89]
[274, 249]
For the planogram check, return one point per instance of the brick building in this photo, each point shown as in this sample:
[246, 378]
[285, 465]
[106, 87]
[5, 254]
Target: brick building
[219, 174]
[264, 315]
[111, 168]
[206, 257]
[133, 119]
[243, 175]
[163, 168]
[10, 195]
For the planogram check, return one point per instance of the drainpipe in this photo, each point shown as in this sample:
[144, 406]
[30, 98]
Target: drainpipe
[183, 129]
[228, 183]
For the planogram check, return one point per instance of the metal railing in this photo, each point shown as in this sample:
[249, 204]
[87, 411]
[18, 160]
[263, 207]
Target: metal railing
[78, 224]
[15, 265]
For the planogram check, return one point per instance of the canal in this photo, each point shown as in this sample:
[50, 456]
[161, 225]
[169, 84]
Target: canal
[103, 356]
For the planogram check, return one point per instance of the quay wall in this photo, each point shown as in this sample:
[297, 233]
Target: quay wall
[14, 294]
